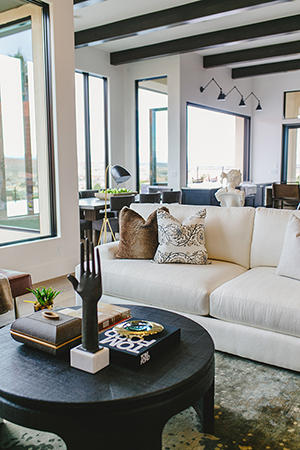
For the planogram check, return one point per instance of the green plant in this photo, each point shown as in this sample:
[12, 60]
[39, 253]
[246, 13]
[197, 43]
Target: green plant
[44, 297]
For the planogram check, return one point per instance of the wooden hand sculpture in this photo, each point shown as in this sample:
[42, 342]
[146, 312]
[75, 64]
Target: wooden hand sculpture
[90, 289]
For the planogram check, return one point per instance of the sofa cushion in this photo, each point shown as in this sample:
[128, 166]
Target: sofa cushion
[181, 242]
[228, 231]
[182, 287]
[138, 237]
[261, 299]
[289, 262]
[268, 235]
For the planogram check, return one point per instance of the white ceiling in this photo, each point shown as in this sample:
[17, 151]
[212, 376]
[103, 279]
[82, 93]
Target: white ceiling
[113, 10]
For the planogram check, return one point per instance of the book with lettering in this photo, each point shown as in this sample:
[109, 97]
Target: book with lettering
[138, 352]
[108, 314]
[59, 336]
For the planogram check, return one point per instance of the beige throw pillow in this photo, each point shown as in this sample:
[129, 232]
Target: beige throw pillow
[181, 242]
[138, 237]
[289, 262]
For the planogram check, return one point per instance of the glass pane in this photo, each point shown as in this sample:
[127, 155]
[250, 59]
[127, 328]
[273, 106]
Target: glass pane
[159, 146]
[292, 105]
[80, 131]
[97, 131]
[24, 172]
[293, 163]
[152, 95]
[208, 152]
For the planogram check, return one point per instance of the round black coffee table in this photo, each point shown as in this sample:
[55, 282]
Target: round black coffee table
[117, 408]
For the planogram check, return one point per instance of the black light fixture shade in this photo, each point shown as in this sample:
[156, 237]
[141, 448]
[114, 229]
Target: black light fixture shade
[223, 96]
[258, 108]
[120, 174]
[242, 102]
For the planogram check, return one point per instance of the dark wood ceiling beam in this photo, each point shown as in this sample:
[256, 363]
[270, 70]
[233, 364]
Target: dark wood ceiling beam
[206, 40]
[251, 54]
[183, 14]
[266, 69]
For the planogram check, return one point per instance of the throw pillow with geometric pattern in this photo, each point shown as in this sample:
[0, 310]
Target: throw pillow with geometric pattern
[181, 242]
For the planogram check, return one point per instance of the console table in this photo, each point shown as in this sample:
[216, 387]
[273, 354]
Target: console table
[116, 407]
[206, 196]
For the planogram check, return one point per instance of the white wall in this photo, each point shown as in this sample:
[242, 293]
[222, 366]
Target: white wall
[185, 76]
[267, 124]
[121, 84]
[192, 76]
[50, 258]
[94, 61]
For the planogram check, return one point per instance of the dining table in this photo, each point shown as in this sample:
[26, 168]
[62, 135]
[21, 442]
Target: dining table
[90, 207]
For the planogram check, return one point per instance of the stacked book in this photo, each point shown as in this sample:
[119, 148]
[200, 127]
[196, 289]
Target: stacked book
[58, 336]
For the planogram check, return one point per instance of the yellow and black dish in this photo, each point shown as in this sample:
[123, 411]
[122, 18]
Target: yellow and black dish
[138, 328]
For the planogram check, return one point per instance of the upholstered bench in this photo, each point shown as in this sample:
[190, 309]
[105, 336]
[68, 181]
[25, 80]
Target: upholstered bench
[19, 284]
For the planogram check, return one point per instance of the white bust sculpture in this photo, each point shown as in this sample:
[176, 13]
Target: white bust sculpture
[230, 196]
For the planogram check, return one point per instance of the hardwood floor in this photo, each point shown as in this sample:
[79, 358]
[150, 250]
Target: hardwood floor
[64, 299]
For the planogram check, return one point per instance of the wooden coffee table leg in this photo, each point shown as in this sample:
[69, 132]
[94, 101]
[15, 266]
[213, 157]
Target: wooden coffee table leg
[205, 410]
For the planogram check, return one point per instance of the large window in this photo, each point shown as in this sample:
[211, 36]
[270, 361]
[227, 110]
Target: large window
[290, 167]
[26, 168]
[91, 121]
[152, 133]
[291, 105]
[291, 154]
[216, 142]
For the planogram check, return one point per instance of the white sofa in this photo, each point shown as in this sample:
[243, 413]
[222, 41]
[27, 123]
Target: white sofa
[248, 309]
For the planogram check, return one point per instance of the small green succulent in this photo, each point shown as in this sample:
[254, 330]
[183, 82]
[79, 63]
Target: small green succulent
[44, 296]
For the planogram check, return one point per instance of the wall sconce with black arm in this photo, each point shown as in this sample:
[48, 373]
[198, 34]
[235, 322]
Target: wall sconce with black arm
[258, 108]
[242, 101]
[223, 96]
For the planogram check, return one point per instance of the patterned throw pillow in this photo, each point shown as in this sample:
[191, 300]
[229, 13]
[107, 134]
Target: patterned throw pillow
[181, 242]
[289, 262]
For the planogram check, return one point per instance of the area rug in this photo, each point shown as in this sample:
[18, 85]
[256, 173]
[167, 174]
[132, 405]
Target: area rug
[257, 407]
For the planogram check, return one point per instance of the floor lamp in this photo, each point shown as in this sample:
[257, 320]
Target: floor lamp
[120, 175]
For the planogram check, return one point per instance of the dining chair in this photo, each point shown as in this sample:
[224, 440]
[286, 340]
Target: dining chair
[150, 198]
[158, 188]
[117, 202]
[87, 193]
[285, 195]
[85, 229]
[171, 197]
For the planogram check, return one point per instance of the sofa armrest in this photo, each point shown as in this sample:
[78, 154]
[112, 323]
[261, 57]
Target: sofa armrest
[107, 251]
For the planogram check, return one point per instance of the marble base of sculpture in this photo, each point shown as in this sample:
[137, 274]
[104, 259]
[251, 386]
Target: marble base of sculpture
[88, 361]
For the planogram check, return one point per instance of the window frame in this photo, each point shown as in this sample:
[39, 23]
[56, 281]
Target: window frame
[247, 130]
[137, 124]
[88, 156]
[285, 104]
[45, 14]
[284, 153]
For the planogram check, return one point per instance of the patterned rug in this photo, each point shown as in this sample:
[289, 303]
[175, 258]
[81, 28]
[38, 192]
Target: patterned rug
[257, 407]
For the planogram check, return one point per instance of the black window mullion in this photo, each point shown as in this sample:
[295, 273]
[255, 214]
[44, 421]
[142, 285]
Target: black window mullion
[106, 162]
[49, 112]
[88, 163]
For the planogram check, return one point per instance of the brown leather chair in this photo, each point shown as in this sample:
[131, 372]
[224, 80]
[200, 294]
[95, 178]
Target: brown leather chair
[287, 195]
[19, 284]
